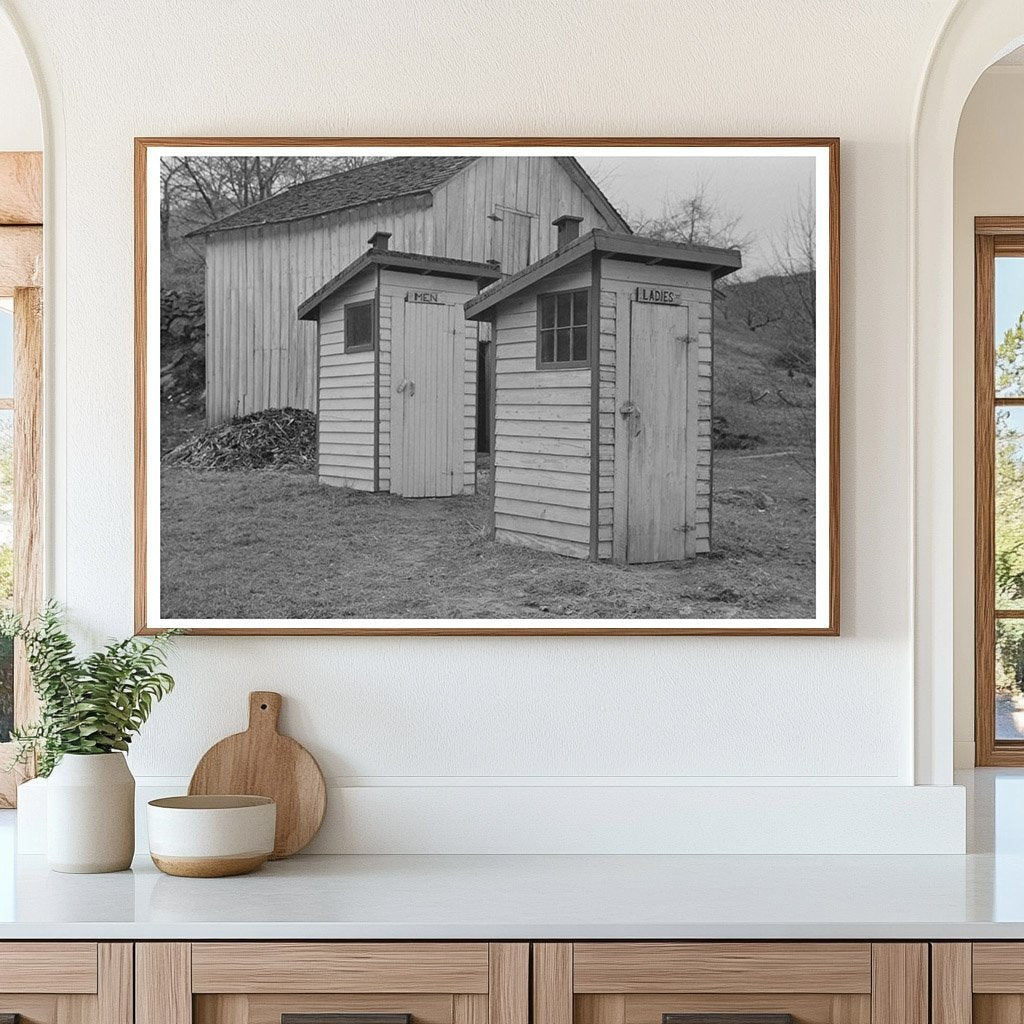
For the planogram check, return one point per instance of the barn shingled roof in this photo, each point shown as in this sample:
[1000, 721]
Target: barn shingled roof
[369, 183]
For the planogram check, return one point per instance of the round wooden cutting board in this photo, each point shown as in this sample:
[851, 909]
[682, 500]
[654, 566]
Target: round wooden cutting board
[262, 762]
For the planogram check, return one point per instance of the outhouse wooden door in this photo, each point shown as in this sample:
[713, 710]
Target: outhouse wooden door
[656, 423]
[430, 388]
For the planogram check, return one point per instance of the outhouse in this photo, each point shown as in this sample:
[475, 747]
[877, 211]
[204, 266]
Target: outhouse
[603, 378]
[397, 373]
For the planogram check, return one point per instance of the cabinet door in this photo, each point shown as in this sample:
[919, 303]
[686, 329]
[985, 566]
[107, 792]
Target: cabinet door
[66, 982]
[730, 983]
[980, 982]
[332, 983]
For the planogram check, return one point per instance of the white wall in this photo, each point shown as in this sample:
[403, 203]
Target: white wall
[987, 181]
[450, 713]
[21, 126]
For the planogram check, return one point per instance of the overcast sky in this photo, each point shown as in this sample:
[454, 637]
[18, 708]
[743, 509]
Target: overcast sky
[761, 190]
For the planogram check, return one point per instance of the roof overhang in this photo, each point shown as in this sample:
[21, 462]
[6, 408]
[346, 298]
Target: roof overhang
[632, 248]
[412, 263]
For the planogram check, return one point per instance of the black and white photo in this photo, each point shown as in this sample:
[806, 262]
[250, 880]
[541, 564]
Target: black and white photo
[464, 387]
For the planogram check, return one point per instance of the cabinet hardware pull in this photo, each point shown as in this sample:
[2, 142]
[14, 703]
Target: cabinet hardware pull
[343, 1018]
[727, 1018]
[10, 1018]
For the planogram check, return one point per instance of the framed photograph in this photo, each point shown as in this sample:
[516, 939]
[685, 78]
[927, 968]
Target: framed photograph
[490, 386]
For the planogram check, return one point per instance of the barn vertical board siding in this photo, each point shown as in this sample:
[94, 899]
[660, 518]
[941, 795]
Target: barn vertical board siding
[261, 356]
[542, 434]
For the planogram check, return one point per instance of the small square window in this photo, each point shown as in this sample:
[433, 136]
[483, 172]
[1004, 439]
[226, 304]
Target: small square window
[562, 319]
[359, 332]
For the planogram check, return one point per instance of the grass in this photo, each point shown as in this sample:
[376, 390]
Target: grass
[266, 544]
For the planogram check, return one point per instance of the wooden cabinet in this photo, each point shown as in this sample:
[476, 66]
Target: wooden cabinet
[66, 982]
[494, 983]
[306, 982]
[978, 983]
[758, 982]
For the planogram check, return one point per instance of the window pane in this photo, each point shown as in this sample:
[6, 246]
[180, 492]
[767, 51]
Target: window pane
[579, 343]
[1009, 679]
[564, 300]
[1009, 324]
[562, 347]
[358, 325]
[1009, 513]
[6, 353]
[6, 567]
[579, 307]
[547, 346]
[547, 311]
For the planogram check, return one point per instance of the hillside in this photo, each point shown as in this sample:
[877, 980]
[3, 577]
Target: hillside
[764, 366]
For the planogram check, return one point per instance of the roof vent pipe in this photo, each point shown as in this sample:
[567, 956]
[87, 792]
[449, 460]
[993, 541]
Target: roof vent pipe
[568, 228]
[379, 240]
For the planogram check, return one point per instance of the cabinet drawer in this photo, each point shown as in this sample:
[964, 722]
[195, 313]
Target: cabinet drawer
[66, 967]
[750, 967]
[730, 983]
[66, 982]
[332, 983]
[340, 967]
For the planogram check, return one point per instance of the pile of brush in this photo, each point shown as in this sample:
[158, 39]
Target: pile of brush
[272, 439]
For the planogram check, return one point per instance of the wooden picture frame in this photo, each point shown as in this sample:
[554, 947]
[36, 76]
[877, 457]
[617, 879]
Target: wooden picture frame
[824, 621]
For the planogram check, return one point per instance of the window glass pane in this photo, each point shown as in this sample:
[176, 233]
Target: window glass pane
[6, 353]
[1009, 522]
[1009, 324]
[358, 325]
[1009, 679]
[579, 307]
[547, 311]
[547, 346]
[562, 346]
[564, 300]
[579, 343]
[6, 567]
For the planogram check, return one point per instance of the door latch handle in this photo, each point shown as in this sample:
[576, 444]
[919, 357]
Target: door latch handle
[407, 385]
[631, 410]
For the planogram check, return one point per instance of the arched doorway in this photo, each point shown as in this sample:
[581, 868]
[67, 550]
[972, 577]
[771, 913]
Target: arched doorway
[977, 33]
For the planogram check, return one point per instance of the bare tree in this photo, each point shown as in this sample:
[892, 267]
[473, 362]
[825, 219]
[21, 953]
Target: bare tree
[794, 252]
[197, 190]
[699, 218]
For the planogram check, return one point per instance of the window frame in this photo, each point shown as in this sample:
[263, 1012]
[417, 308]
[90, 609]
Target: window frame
[350, 307]
[993, 237]
[571, 364]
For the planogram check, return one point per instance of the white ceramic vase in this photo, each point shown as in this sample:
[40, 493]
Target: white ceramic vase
[90, 814]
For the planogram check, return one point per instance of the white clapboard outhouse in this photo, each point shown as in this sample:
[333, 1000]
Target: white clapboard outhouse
[397, 373]
[602, 412]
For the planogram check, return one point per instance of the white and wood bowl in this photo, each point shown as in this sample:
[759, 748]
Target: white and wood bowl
[211, 836]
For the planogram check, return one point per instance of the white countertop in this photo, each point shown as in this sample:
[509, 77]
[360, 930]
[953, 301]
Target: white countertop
[496, 897]
[977, 896]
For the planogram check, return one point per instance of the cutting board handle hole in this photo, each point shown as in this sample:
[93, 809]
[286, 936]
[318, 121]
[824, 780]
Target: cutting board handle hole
[263, 707]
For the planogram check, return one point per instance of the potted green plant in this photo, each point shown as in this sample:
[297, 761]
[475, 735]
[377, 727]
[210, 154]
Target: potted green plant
[90, 708]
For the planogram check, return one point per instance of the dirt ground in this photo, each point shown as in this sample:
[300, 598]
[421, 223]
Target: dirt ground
[278, 545]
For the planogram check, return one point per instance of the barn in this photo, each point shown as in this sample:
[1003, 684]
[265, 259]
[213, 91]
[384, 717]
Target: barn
[265, 260]
[397, 380]
[603, 392]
